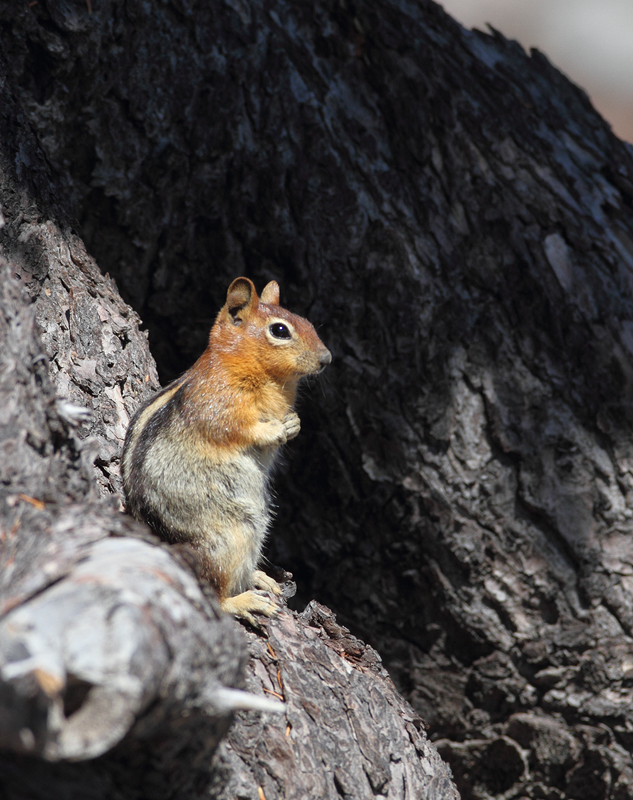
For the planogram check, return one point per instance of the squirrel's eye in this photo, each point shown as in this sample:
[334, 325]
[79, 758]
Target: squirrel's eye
[279, 331]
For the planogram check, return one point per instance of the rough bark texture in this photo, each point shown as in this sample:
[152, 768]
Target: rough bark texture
[347, 731]
[456, 218]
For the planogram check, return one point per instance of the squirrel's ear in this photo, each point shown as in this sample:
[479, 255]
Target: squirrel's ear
[240, 299]
[270, 295]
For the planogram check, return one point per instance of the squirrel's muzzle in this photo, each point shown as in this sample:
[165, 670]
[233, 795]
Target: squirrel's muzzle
[325, 358]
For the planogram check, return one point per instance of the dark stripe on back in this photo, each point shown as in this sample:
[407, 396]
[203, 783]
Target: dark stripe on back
[159, 420]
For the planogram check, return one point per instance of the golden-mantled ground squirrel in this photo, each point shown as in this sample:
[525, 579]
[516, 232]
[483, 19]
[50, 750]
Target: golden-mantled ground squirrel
[198, 456]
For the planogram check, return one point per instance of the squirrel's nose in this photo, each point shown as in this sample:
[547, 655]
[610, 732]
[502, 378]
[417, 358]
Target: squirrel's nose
[325, 358]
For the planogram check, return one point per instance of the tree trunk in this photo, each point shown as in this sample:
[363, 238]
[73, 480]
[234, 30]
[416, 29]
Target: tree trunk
[455, 218]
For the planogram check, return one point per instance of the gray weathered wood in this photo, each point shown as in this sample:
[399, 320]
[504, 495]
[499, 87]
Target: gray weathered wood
[84, 658]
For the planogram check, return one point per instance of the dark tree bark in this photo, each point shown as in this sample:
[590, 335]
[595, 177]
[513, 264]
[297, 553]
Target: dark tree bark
[456, 218]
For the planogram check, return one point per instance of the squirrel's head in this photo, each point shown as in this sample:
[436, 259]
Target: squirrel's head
[283, 344]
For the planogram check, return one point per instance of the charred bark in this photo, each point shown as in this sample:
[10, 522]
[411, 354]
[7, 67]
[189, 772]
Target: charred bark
[456, 218]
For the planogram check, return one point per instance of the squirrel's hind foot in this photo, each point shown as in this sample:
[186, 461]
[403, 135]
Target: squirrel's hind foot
[241, 605]
[265, 582]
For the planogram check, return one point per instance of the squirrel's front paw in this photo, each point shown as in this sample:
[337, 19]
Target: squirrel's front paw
[292, 425]
[275, 432]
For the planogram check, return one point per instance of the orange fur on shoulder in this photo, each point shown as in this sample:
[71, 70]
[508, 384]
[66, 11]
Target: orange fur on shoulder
[240, 379]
